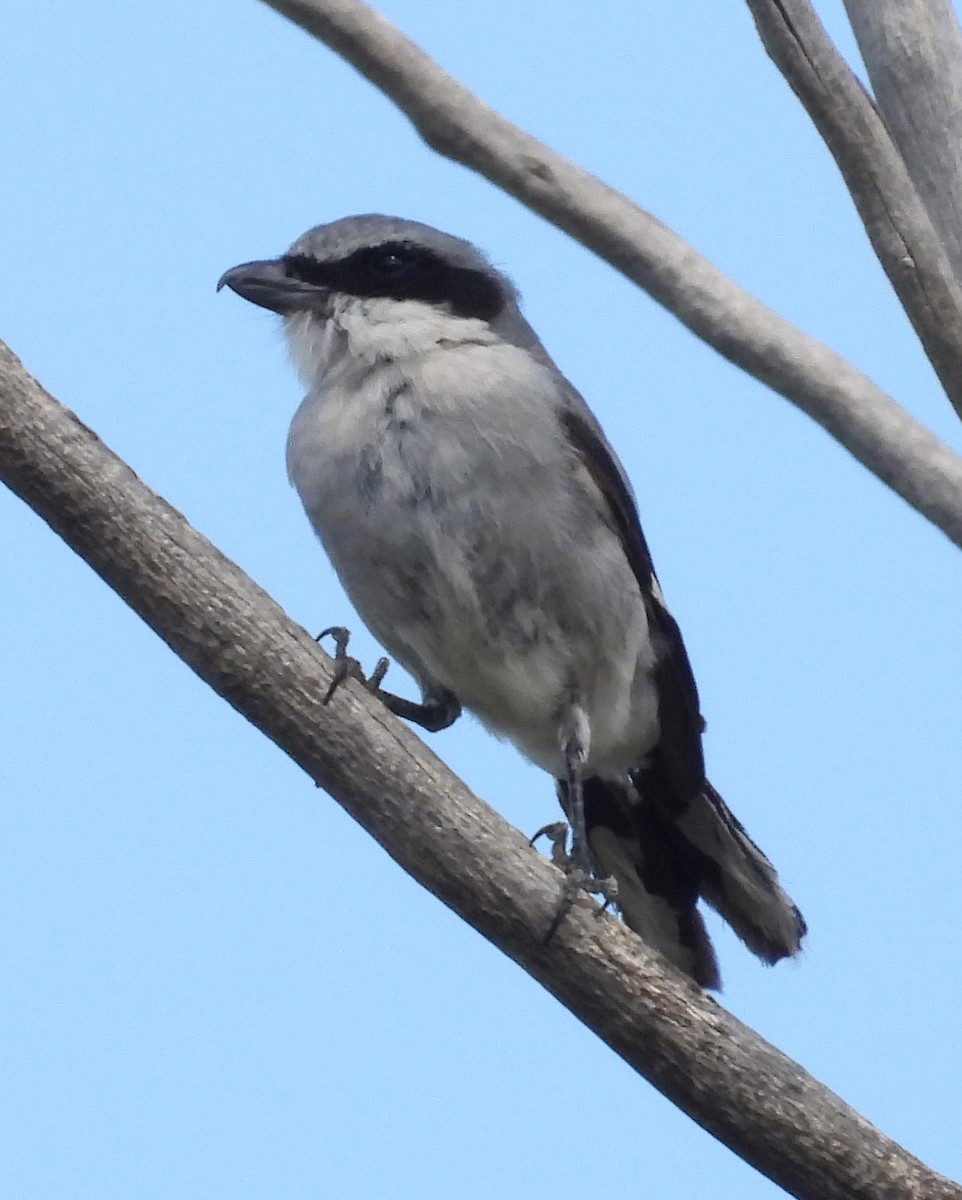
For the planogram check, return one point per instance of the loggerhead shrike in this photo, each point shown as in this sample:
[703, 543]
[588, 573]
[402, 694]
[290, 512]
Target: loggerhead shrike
[488, 536]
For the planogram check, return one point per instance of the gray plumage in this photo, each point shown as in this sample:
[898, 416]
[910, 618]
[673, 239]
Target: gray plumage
[487, 535]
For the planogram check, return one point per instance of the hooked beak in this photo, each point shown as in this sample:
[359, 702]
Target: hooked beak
[268, 284]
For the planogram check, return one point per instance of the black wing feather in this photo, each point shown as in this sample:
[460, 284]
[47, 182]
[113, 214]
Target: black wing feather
[675, 772]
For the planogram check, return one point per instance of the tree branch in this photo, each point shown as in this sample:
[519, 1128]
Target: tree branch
[867, 422]
[894, 217]
[741, 1089]
[912, 50]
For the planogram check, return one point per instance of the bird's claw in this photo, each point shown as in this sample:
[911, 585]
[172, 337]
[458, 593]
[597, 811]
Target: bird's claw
[348, 667]
[438, 710]
[579, 876]
[557, 835]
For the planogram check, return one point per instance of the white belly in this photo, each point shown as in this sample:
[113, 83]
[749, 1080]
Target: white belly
[475, 552]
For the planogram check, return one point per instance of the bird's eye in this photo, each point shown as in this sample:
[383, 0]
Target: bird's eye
[390, 262]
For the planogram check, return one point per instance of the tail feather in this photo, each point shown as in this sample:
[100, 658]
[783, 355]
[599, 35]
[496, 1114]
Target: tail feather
[657, 889]
[739, 882]
[665, 863]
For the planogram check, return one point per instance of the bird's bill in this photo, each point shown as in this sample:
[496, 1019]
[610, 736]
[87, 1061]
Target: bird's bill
[268, 284]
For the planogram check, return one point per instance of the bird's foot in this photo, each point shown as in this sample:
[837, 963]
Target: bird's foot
[440, 708]
[580, 878]
[347, 667]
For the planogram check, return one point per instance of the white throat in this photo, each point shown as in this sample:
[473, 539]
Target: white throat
[362, 332]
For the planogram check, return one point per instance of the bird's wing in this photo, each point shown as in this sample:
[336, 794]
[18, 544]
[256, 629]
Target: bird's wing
[675, 772]
[672, 839]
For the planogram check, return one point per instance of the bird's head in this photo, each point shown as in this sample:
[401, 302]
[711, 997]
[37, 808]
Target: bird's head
[385, 285]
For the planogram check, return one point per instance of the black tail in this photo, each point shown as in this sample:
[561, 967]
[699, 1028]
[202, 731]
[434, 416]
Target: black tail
[665, 863]
[739, 882]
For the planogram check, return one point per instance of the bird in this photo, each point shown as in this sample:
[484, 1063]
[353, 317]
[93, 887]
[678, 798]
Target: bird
[487, 535]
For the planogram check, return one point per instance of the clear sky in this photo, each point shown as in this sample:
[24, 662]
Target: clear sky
[213, 984]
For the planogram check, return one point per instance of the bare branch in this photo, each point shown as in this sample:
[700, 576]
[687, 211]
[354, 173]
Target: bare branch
[867, 422]
[913, 53]
[761, 1104]
[894, 217]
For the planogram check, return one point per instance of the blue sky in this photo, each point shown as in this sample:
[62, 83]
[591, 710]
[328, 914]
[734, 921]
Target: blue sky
[213, 983]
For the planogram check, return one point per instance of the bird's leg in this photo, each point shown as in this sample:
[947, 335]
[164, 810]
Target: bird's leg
[439, 709]
[577, 862]
[575, 755]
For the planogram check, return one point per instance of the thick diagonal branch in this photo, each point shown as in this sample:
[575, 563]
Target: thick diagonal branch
[761, 1104]
[867, 422]
[895, 219]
